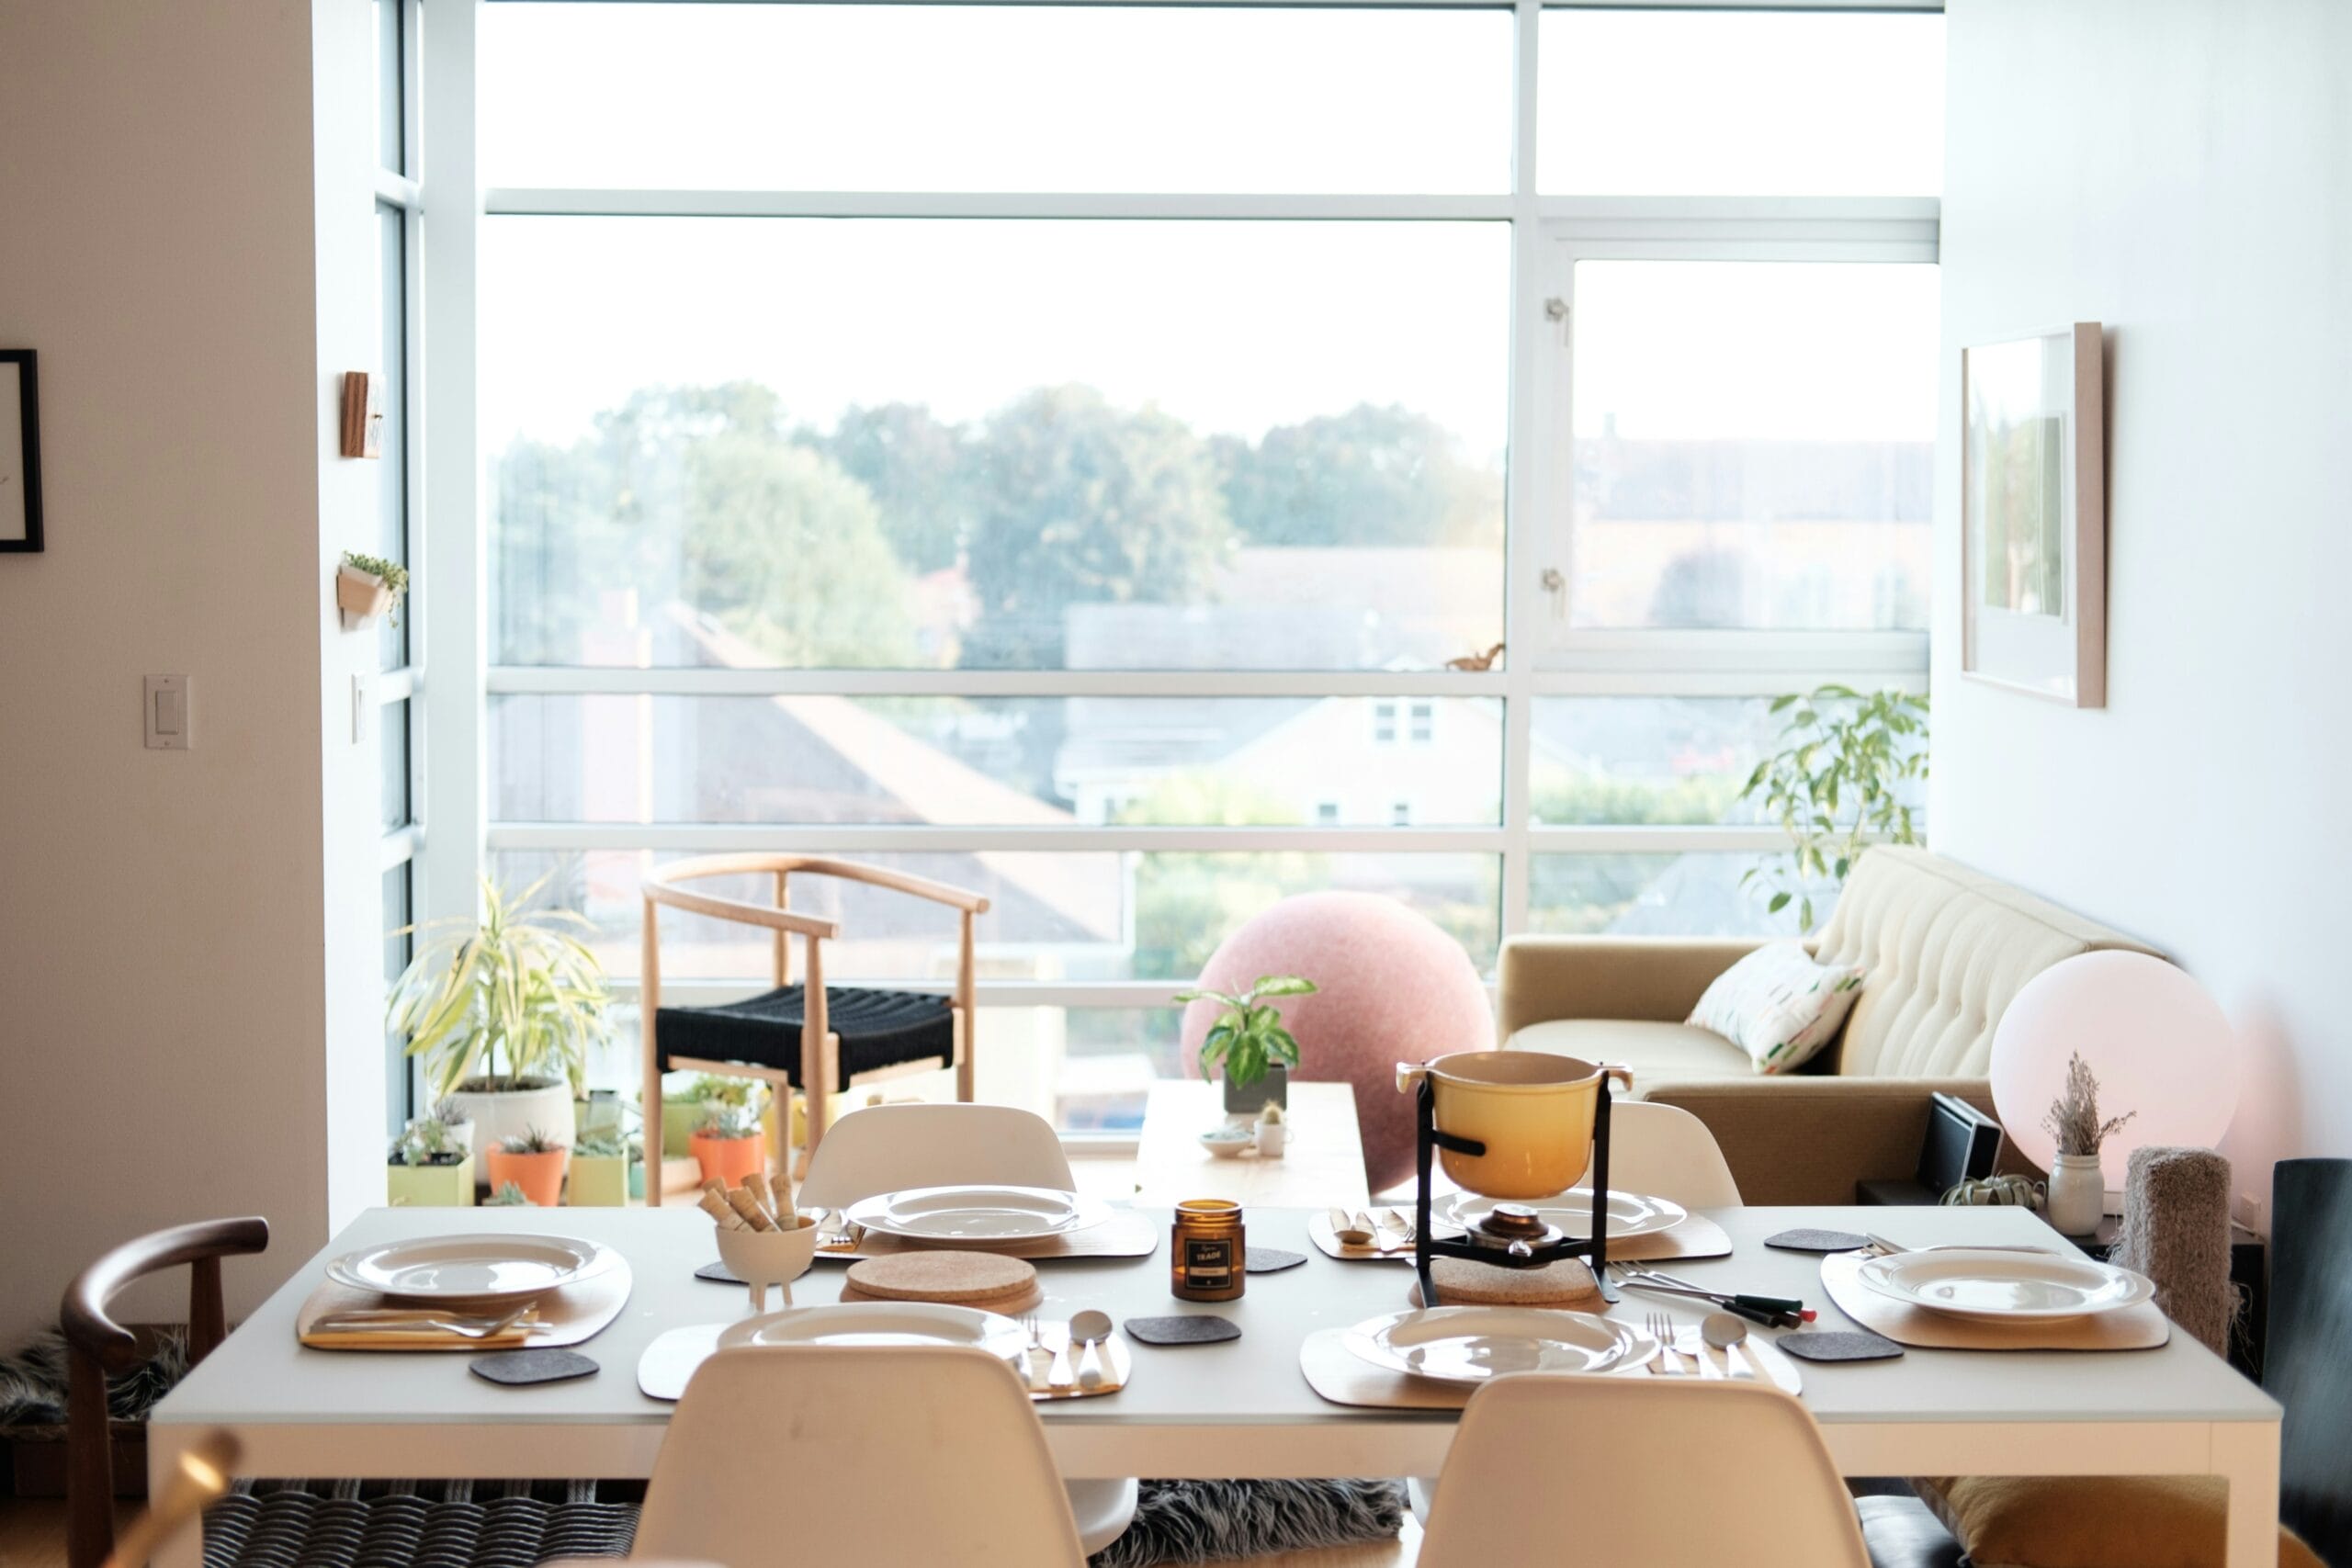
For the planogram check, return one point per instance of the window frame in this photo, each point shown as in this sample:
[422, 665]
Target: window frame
[1548, 234]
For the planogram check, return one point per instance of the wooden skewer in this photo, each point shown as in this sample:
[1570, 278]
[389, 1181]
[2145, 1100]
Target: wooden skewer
[718, 1208]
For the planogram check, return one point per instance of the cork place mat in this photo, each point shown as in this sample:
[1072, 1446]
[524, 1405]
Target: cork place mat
[987, 1280]
[1336, 1373]
[1460, 1282]
[1126, 1234]
[568, 1317]
[1696, 1236]
[2142, 1328]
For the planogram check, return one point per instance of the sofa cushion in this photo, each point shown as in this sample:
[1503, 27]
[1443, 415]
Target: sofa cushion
[1657, 1052]
[1942, 950]
[1778, 1005]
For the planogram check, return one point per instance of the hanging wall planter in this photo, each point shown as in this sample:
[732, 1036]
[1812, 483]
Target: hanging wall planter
[369, 586]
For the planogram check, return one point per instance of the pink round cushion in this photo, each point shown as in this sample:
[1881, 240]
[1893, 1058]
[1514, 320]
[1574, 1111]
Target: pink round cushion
[1391, 987]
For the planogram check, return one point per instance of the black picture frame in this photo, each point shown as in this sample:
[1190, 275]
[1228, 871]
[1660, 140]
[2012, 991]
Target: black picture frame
[27, 372]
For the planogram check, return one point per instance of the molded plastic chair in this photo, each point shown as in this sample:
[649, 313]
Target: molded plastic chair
[1666, 1152]
[885, 1148]
[1668, 1472]
[98, 1345]
[888, 1457]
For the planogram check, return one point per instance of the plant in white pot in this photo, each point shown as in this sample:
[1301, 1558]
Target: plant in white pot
[502, 1010]
[2078, 1189]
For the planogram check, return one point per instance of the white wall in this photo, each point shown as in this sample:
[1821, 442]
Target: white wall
[2180, 170]
[165, 957]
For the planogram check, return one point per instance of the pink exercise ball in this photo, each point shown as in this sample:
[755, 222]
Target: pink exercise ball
[1390, 987]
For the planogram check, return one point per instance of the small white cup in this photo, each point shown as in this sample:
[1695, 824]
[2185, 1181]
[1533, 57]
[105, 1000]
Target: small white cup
[761, 1258]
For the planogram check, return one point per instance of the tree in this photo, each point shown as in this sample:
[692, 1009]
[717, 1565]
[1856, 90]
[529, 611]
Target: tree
[1186, 902]
[1076, 502]
[916, 467]
[1371, 476]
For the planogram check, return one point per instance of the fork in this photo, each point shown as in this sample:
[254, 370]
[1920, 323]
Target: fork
[1661, 1328]
[1036, 1347]
[465, 1326]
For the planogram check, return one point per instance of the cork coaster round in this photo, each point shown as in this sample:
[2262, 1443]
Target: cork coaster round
[1461, 1283]
[963, 1279]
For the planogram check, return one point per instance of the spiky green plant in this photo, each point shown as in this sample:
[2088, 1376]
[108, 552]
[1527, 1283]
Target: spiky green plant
[507, 1197]
[598, 1145]
[504, 1001]
[1249, 1037]
[532, 1142]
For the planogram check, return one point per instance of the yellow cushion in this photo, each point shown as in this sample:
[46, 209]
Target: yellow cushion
[2091, 1521]
[1658, 1053]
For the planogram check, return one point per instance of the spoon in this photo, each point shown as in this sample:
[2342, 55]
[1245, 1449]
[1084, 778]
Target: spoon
[1723, 1331]
[1350, 1231]
[1090, 1329]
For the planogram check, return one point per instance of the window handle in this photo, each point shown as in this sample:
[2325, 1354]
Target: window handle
[1556, 585]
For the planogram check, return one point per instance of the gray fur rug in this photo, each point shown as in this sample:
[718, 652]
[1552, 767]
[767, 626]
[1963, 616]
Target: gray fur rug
[32, 1381]
[1200, 1521]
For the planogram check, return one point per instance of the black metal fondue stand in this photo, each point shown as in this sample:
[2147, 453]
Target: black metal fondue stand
[1514, 1236]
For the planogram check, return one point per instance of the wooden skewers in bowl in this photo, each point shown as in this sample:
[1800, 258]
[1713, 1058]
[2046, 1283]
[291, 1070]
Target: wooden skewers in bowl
[757, 1205]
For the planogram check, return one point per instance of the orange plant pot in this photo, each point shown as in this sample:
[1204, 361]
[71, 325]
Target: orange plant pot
[539, 1176]
[730, 1160]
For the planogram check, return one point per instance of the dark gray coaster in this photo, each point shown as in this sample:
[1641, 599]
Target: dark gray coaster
[1204, 1330]
[1272, 1260]
[1817, 1241]
[718, 1274]
[519, 1367]
[1838, 1344]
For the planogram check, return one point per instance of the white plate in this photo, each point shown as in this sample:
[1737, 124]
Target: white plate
[1630, 1213]
[880, 1322]
[472, 1268]
[2004, 1287]
[1471, 1343]
[978, 1214]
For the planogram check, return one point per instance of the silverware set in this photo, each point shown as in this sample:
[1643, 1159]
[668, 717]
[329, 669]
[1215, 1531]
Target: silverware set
[1679, 1342]
[1391, 1230]
[465, 1326]
[836, 1232]
[1049, 1370]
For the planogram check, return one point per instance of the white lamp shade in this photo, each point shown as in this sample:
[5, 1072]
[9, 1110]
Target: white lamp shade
[2160, 1048]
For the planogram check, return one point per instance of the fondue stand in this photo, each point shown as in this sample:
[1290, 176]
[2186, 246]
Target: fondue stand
[1528, 1145]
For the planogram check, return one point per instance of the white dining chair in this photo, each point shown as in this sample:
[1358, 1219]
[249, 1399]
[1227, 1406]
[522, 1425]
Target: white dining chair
[887, 1148]
[1665, 1152]
[1668, 1472]
[885, 1456]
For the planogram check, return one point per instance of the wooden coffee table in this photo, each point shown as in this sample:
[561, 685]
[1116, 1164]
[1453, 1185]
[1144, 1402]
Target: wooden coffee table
[1321, 1165]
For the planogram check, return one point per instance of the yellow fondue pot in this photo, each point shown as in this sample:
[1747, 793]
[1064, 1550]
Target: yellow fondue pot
[1534, 1112]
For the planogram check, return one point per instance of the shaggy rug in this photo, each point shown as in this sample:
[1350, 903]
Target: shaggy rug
[32, 1381]
[1202, 1521]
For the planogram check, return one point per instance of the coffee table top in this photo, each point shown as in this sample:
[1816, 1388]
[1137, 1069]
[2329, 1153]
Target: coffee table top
[1321, 1165]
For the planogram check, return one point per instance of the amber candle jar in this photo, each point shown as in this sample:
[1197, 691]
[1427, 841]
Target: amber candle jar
[1208, 1249]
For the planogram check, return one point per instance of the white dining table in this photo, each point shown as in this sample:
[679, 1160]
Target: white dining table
[1241, 1408]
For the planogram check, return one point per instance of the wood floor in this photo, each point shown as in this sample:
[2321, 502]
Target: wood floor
[33, 1535]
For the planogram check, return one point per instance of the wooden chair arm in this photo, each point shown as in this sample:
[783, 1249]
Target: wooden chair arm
[735, 909]
[83, 1315]
[666, 877]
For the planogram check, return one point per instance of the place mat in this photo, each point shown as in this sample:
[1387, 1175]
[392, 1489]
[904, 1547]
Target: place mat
[1817, 1241]
[1461, 1283]
[1696, 1236]
[1839, 1345]
[1270, 1259]
[1337, 1374]
[671, 1360]
[1203, 1329]
[1126, 1234]
[518, 1369]
[566, 1316]
[2142, 1328]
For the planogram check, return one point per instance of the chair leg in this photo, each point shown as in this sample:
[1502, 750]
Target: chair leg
[964, 1054]
[89, 1464]
[820, 1081]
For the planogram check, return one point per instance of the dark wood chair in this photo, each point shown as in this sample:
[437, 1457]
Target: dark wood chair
[97, 1345]
[2306, 1367]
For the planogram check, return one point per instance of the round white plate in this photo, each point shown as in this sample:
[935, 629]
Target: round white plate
[1471, 1343]
[880, 1322]
[472, 1268]
[978, 1214]
[1630, 1213]
[2004, 1287]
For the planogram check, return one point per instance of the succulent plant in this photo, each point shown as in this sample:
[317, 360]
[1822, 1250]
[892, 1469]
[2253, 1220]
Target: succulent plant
[426, 1141]
[730, 1123]
[532, 1142]
[599, 1145]
[1272, 1116]
[507, 1197]
[450, 1113]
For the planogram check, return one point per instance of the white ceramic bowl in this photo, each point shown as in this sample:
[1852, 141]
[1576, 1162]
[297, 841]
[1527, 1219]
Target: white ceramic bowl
[761, 1258]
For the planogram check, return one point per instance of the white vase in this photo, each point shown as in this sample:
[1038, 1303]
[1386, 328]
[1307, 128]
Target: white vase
[2077, 1195]
[513, 1112]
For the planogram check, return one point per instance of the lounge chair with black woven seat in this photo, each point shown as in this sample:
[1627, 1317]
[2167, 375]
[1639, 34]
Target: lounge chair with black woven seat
[860, 1035]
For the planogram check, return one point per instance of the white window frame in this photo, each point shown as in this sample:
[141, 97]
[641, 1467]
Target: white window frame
[1548, 233]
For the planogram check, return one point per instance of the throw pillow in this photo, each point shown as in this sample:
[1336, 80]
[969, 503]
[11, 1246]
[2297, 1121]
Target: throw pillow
[2091, 1521]
[1778, 1005]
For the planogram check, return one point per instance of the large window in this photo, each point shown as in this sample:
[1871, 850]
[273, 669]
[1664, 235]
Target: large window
[1092, 453]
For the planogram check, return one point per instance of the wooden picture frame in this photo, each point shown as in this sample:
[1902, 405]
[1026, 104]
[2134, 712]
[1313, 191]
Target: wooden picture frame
[363, 414]
[2033, 515]
[20, 527]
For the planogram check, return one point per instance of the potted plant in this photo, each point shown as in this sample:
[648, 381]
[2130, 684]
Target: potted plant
[2078, 1189]
[729, 1146]
[637, 1170]
[368, 586]
[507, 1197]
[456, 1123]
[1249, 1041]
[534, 1162]
[599, 1172]
[1274, 1131]
[503, 1011]
[428, 1169]
[683, 1110]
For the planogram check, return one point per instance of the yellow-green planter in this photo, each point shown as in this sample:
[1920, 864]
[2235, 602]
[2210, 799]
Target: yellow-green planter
[679, 1120]
[430, 1185]
[598, 1182]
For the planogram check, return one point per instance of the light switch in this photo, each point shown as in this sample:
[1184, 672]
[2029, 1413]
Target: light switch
[168, 712]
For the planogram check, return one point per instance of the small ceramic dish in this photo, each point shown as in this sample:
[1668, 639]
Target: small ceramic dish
[1229, 1141]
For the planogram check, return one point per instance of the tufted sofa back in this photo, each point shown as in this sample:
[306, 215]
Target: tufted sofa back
[1942, 950]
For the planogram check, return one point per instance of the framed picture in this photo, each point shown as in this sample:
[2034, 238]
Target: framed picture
[19, 452]
[2033, 515]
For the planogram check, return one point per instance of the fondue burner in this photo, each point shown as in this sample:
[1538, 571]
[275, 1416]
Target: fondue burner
[1511, 1235]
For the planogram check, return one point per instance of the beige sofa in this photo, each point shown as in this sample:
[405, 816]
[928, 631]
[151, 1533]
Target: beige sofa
[1942, 950]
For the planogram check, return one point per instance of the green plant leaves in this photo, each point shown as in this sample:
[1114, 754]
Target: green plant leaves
[1831, 786]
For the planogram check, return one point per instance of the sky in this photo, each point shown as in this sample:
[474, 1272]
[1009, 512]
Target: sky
[1234, 327]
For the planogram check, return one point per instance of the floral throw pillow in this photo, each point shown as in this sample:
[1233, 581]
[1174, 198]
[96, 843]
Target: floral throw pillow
[1779, 1006]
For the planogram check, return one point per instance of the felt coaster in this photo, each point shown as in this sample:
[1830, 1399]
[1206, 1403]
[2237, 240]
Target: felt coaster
[516, 1368]
[1203, 1330]
[1838, 1344]
[718, 1273]
[1272, 1260]
[1817, 1241]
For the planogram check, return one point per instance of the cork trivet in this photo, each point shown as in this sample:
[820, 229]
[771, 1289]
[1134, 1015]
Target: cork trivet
[959, 1278]
[1461, 1283]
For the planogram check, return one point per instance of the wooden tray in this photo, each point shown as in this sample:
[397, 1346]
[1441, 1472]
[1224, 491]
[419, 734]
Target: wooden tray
[566, 1316]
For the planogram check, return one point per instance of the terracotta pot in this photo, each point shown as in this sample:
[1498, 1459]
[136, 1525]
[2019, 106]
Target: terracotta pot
[1534, 1112]
[361, 594]
[539, 1176]
[730, 1160]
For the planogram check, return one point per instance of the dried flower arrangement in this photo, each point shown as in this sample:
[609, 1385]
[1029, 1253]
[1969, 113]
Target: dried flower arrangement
[2072, 1117]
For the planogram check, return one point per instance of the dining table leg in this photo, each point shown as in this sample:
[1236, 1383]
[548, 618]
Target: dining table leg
[2246, 1453]
[184, 1548]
